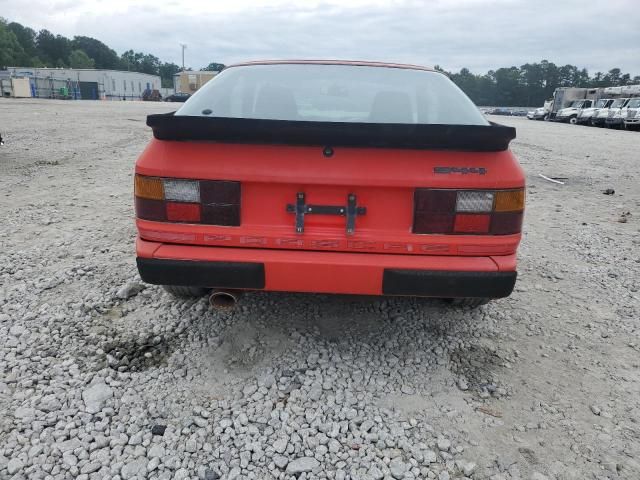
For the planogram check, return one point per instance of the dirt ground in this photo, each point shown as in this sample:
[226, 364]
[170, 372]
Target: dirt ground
[544, 384]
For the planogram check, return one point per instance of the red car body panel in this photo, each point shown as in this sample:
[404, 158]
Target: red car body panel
[383, 180]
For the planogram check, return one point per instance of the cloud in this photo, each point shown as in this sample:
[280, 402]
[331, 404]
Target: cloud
[477, 34]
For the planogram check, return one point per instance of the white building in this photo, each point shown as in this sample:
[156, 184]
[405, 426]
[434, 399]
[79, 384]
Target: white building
[86, 83]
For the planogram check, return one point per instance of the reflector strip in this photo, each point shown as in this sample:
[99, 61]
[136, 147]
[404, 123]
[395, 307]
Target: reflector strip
[474, 201]
[509, 201]
[182, 190]
[166, 236]
[149, 187]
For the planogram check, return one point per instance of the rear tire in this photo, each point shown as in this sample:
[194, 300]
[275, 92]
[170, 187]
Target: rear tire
[185, 292]
[467, 302]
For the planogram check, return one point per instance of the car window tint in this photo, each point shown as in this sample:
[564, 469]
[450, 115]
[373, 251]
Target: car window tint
[334, 93]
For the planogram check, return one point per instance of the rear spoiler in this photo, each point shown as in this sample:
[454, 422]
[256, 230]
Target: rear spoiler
[483, 138]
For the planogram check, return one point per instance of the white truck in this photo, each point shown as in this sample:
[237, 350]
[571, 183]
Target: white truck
[586, 115]
[600, 119]
[630, 114]
[570, 114]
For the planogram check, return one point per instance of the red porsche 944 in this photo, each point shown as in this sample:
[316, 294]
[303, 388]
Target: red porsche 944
[333, 177]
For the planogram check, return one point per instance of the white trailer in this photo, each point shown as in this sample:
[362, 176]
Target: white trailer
[86, 83]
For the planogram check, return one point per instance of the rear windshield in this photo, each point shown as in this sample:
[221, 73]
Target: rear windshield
[334, 93]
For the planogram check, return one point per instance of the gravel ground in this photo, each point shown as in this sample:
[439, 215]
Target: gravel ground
[104, 377]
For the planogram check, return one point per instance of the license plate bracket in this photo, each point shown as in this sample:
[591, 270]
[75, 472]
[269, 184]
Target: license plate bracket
[351, 210]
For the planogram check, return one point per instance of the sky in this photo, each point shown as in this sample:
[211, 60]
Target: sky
[478, 34]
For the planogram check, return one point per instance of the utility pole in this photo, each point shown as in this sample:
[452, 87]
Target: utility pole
[183, 45]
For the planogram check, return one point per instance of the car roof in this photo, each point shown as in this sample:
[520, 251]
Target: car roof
[358, 63]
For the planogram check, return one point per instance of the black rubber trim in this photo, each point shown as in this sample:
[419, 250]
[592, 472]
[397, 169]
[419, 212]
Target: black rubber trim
[448, 284]
[485, 138]
[202, 274]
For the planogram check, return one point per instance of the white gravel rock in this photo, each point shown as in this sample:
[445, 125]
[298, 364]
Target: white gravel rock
[444, 444]
[538, 476]
[375, 473]
[134, 468]
[69, 459]
[14, 466]
[280, 461]
[191, 446]
[155, 451]
[398, 468]
[467, 468]
[280, 445]
[129, 290]
[303, 464]
[70, 445]
[444, 475]
[18, 330]
[334, 445]
[96, 396]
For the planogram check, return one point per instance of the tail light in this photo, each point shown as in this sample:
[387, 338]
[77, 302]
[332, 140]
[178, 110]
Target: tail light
[211, 202]
[468, 212]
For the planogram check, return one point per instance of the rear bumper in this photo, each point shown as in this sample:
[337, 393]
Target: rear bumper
[326, 272]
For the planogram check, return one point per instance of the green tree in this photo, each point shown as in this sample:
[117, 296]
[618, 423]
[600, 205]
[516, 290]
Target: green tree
[167, 71]
[102, 55]
[53, 50]
[150, 64]
[214, 67]
[11, 52]
[79, 59]
[509, 89]
[27, 40]
[140, 62]
[613, 77]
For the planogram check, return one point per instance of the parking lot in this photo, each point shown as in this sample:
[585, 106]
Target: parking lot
[93, 364]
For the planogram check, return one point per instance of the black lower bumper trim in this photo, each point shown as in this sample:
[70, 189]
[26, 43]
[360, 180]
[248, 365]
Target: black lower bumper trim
[187, 273]
[448, 284]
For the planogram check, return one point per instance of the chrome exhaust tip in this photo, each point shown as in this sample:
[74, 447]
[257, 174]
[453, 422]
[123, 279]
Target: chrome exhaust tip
[224, 299]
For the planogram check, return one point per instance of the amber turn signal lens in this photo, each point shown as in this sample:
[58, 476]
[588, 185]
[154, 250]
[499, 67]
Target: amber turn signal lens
[149, 187]
[509, 201]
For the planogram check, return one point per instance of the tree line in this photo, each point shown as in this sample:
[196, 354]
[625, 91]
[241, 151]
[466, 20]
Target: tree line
[532, 83]
[528, 85]
[24, 47]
